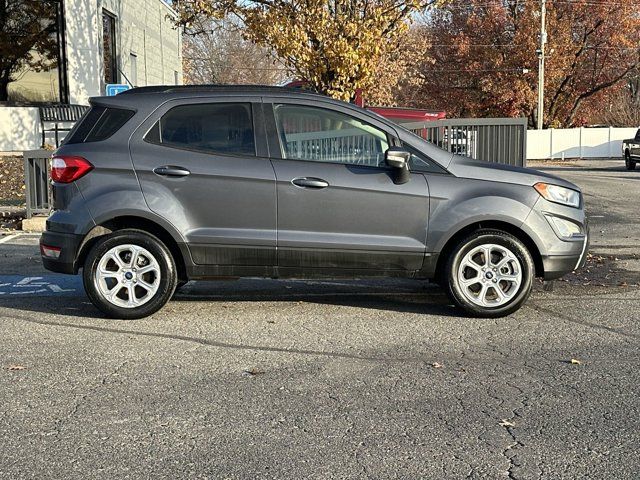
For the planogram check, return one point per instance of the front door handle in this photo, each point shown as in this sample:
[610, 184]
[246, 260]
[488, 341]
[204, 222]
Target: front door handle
[171, 171]
[316, 183]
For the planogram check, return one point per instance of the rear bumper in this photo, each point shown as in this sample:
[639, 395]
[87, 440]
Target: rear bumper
[68, 243]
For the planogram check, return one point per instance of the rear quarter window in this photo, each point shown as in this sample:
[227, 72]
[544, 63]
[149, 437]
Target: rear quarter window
[99, 124]
[223, 128]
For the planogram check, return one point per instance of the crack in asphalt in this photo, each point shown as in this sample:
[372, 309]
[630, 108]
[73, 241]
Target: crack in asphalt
[61, 422]
[510, 451]
[212, 343]
[538, 308]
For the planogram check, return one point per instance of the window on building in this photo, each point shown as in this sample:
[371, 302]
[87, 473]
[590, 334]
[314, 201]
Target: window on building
[321, 135]
[224, 128]
[109, 55]
[32, 67]
[133, 74]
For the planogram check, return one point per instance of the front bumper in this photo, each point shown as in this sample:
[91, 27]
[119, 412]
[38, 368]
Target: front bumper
[559, 255]
[68, 244]
[556, 266]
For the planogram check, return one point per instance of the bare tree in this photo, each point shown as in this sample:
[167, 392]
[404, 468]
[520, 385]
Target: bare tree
[623, 106]
[218, 53]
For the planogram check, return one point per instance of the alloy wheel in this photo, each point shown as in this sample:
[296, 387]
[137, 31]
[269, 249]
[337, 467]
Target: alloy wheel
[490, 275]
[128, 276]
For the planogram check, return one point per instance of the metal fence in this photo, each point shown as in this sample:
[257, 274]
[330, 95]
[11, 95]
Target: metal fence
[350, 145]
[37, 185]
[499, 140]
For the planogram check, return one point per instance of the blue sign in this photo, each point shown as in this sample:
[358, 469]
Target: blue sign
[116, 88]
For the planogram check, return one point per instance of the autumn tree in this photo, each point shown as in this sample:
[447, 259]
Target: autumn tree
[335, 45]
[482, 56]
[618, 106]
[220, 54]
[26, 40]
[396, 81]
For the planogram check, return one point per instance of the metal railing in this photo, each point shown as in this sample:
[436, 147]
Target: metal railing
[36, 179]
[350, 145]
[499, 140]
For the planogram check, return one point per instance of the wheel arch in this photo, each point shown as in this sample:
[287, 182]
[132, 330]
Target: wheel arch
[495, 225]
[179, 253]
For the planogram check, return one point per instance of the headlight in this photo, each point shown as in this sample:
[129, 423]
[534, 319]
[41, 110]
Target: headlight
[565, 228]
[557, 194]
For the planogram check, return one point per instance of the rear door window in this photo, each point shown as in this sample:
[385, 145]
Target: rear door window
[222, 128]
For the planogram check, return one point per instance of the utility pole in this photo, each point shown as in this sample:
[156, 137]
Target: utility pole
[541, 52]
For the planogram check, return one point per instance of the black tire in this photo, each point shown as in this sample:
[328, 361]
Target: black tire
[486, 237]
[628, 163]
[166, 283]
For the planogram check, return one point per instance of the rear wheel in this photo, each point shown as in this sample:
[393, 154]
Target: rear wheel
[630, 164]
[129, 274]
[489, 274]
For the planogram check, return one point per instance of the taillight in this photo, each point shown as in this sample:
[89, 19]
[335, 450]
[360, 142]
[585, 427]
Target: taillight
[67, 169]
[49, 251]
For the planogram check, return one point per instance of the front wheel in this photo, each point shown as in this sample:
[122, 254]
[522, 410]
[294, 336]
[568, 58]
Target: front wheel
[129, 274]
[628, 163]
[489, 274]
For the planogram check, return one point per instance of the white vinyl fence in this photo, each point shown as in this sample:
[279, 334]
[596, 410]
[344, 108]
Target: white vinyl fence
[577, 143]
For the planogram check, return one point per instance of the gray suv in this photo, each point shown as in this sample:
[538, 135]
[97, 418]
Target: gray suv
[161, 185]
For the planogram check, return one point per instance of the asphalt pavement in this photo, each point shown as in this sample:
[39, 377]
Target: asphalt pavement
[331, 379]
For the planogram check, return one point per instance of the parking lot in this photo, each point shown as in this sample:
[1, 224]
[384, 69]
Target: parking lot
[331, 379]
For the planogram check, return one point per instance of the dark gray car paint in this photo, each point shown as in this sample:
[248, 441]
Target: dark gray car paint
[225, 208]
[236, 214]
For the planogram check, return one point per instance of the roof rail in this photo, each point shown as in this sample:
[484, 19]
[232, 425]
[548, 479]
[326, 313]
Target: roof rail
[213, 88]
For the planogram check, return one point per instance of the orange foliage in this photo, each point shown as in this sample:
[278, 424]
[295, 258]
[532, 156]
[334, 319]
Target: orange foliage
[482, 59]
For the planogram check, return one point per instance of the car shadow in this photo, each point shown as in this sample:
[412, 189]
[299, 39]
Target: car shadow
[420, 298]
[77, 313]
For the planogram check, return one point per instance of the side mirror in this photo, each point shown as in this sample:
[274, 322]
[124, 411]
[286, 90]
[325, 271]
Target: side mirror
[398, 158]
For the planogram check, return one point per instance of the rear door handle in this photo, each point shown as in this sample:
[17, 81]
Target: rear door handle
[171, 171]
[316, 183]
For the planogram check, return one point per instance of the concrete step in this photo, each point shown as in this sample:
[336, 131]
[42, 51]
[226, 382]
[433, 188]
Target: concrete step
[34, 224]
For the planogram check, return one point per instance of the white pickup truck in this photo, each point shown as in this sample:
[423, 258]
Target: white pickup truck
[631, 151]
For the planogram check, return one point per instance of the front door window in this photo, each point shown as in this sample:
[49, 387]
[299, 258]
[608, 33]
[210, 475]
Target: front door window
[321, 135]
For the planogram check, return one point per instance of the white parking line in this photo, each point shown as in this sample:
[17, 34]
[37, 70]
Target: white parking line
[10, 237]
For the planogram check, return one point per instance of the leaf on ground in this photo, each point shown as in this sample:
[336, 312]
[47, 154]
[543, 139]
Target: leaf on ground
[506, 423]
[15, 368]
[252, 372]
